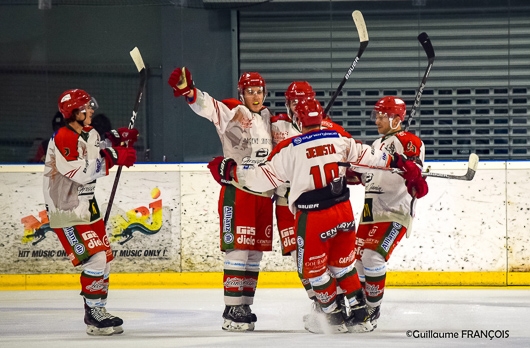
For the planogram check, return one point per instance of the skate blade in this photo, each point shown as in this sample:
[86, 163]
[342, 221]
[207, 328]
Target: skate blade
[361, 327]
[117, 330]
[240, 327]
[104, 331]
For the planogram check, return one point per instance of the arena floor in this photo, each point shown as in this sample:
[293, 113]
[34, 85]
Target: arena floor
[434, 317]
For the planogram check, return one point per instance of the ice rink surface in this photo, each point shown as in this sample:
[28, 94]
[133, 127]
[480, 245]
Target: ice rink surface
[486, 317]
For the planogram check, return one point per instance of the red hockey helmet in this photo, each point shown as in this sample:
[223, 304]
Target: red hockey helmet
[73, 99]
[299, 90]
[251, 79]
[308, 112]
[391, 107]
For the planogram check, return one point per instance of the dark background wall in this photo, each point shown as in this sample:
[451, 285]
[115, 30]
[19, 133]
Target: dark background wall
[482, 45]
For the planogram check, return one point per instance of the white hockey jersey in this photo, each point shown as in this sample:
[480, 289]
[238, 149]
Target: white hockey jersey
[386, 196]
[308, 162]
[73, 163]
[245, 135]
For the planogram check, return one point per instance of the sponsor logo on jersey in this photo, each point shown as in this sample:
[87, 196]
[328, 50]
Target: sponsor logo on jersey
[348, 259]
[70, 235]
[373, 290]
[329, 234]
[79, 249]
[98, 165]
[246, 235]
[233, 283]
[228, 238]
[373, 231]
[86, 189]
[268, 231]
[96, 285]
[323, 134]
[324, 297]
[227, 218]
[288, 237]
[262, 152]
[389, 240]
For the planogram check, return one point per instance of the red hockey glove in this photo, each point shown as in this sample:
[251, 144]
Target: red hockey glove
[121, 156]
[418, 188]
[353, 177]
[221, 169]
[411, 172]
[181, 82]
[123, 135]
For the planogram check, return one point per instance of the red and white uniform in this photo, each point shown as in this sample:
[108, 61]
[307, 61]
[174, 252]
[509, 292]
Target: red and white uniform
[282, 128]
[246, 218]
[73, 163]
[386, 196]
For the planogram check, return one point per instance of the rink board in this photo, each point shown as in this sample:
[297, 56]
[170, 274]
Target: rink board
[164, 230]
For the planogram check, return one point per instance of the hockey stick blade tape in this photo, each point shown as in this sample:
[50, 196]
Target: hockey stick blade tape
[358, 19]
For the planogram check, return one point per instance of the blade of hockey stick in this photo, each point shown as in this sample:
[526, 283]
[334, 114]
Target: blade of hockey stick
[470, 174]
[425, 42]
[139, 62]
[358, 19]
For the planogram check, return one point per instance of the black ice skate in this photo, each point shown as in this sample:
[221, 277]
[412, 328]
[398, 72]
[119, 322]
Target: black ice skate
[253, 317]
[359, 319]
[374, 315]
[97, 321]
[117, 322]
[236, 318]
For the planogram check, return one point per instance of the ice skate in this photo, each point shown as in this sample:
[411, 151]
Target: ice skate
[117, 322]
[253, 317]
[374, 315]
[236, 318]
[326, 323]
[316, 309]
[97, 321]
[359, 319]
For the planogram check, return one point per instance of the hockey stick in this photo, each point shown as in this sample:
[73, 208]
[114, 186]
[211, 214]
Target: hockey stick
[470, 174]
[425, 42]
[137, 58]
[363, 38]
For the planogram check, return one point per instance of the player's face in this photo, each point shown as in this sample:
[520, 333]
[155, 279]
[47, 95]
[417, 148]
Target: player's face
[89, 112]
[253, 98]
[383, 123]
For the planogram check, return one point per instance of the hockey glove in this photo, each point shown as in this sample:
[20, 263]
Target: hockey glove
[418, 188]
[123, 135]
[181, 82]
[121, 156]
[411, 172]
[221, 169]
[353, 177]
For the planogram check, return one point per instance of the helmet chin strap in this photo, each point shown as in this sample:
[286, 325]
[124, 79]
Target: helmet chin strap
[81, 123]
[391, 121]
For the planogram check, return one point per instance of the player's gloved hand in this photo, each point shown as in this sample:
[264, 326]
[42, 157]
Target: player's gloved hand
[123, 135]
[418, 188]
[181, 82]
[221, 169]
[121, 156]
[353, 177]
[411, 172]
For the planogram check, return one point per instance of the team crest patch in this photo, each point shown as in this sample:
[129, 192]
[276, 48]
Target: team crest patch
[411, 147]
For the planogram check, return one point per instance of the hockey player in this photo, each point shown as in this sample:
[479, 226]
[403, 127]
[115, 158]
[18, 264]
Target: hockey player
[319, 197]
[245, 216]
[285, 126]
[390, 201]
[73, 162]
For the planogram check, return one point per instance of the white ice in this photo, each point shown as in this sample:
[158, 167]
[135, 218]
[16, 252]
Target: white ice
[192, 318]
